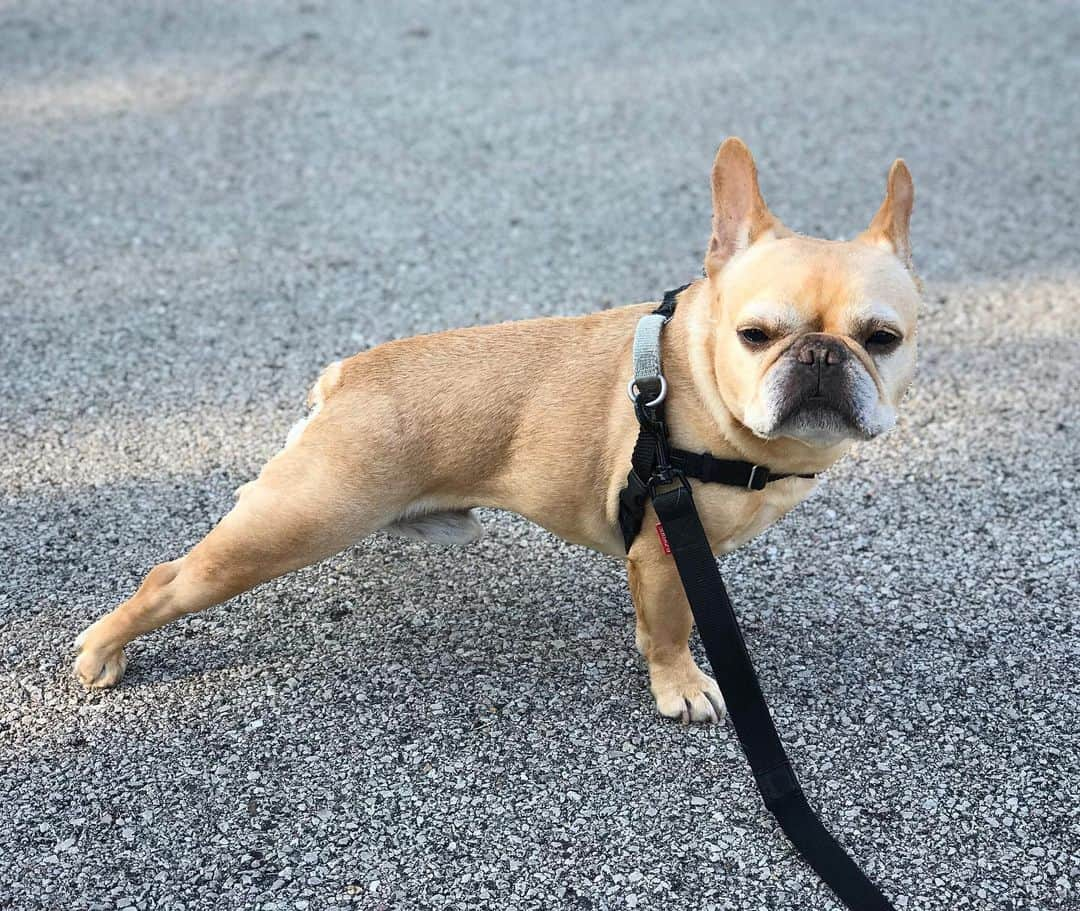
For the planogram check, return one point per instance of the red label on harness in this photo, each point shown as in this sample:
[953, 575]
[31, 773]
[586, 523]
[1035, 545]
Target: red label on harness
[663, 538]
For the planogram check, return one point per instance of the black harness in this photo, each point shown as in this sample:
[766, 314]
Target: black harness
[660, 473]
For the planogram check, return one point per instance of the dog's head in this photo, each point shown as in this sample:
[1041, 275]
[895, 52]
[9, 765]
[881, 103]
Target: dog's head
[813, 340]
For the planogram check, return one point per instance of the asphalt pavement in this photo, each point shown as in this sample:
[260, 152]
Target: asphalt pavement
[203, 203]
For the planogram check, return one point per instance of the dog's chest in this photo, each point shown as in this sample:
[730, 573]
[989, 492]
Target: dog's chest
[733, 517]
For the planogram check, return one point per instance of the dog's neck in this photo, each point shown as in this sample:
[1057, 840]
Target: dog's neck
[690, 357]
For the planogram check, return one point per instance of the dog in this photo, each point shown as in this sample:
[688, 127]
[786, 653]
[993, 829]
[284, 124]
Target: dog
[785, 353]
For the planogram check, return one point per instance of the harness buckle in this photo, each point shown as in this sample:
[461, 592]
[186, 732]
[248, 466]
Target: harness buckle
[759, 477]
[664, 475]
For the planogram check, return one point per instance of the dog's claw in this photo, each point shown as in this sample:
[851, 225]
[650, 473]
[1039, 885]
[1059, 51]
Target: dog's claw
[717, 704]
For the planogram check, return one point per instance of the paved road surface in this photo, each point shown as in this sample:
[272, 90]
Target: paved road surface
[203, 203]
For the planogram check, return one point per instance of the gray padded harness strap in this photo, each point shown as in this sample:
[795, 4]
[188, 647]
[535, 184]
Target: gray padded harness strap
[647, 371]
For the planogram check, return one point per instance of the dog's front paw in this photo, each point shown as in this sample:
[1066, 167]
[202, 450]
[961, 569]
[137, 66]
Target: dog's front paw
[98, 667]
[682, 691]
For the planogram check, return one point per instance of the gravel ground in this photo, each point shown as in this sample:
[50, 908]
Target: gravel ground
[203, 203]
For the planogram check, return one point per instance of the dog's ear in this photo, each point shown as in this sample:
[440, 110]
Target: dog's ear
[889, 228]
[740, 216]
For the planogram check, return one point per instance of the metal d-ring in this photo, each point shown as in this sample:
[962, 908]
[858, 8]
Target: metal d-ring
[632, 392]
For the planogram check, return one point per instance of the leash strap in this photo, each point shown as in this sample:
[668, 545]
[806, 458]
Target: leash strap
[719, 630]
[660, 473]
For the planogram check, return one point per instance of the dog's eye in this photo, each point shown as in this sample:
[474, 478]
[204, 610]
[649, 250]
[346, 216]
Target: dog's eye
[753, 336]
[882, 340]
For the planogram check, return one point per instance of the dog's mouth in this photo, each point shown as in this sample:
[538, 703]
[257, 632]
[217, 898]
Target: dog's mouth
[825, 419]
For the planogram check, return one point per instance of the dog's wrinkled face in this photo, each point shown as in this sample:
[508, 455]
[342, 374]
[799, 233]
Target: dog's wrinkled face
[815, 339]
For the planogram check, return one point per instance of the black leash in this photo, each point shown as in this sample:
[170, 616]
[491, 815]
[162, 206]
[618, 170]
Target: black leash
[725, 647]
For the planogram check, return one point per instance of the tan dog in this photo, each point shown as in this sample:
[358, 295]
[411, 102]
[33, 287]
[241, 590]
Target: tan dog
[789, 349]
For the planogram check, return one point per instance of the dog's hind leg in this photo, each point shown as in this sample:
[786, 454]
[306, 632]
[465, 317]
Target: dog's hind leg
[304, 507]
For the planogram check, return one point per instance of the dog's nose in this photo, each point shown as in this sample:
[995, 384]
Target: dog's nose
[820, 349]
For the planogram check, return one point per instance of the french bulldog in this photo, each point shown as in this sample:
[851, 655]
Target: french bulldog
[788, 350]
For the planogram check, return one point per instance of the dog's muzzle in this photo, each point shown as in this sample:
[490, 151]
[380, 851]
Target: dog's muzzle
[823, 390]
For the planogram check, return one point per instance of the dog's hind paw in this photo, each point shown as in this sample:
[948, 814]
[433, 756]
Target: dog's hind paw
[99, 671]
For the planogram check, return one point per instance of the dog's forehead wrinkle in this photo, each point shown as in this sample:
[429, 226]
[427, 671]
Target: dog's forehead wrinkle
[770, 310]
[875, 312]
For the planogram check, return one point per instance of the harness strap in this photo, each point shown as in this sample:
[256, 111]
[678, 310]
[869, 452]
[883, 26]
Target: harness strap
[671, 298]
[647, 353]
[708, 468]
